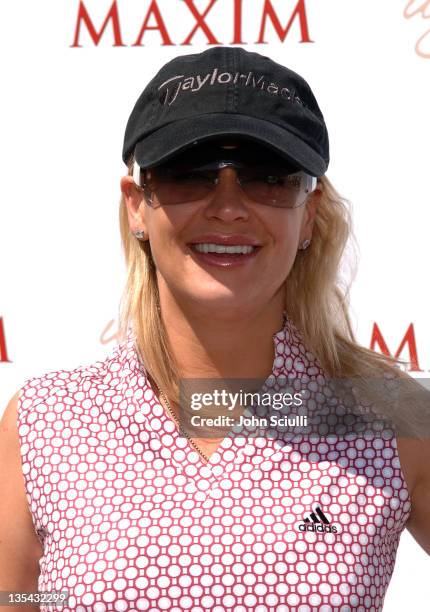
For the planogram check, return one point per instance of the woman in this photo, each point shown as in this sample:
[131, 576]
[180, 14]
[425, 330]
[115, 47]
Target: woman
[233, 238]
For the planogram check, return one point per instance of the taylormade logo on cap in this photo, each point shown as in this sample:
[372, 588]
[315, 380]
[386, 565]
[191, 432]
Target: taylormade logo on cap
[194, 83]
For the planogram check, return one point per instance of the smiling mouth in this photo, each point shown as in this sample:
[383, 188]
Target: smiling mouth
[224, 255]
[219, 249]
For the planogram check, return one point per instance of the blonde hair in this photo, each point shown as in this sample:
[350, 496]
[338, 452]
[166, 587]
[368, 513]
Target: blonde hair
[317, 301]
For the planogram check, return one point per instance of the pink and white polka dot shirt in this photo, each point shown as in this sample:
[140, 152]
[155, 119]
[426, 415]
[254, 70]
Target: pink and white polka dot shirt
[131, 517]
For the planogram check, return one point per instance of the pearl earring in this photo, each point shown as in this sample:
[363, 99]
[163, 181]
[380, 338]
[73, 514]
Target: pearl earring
[305, 244]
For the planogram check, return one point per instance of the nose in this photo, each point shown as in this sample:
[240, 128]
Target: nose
[227, 200]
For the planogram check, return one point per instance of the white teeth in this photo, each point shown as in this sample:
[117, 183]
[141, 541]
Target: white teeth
[217, 248]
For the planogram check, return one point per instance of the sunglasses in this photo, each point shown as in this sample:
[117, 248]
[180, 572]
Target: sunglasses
[264, 177]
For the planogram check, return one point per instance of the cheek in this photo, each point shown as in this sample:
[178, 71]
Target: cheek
[165, 230]
[170, 220]
[286, 255]
[287, 230]
[286, 242]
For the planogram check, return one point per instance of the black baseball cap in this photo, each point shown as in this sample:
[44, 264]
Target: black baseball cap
[227, 91]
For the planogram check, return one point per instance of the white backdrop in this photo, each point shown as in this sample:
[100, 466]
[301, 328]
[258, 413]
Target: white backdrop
[64, 111]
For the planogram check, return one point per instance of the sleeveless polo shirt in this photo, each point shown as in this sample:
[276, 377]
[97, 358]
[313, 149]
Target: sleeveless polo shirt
[130, 517]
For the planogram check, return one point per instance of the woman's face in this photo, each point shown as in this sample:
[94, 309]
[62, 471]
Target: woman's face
[214, 281]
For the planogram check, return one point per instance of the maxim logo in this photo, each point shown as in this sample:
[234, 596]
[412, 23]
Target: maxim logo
[162, 17]
[318, 523]
[196, 82]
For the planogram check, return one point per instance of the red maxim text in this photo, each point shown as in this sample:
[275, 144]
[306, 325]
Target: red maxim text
[3, 349]
[199, 23]
[408, 339]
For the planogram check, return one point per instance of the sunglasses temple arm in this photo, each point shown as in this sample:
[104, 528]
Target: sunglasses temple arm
[309, 183]
[136, 174]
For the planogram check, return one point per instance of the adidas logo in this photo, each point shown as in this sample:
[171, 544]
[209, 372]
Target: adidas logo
[318, 524]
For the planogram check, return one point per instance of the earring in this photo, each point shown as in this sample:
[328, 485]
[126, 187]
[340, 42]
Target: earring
[305, 244]
[140, 234]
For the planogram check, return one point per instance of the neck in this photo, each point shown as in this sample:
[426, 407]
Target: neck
[209, 343]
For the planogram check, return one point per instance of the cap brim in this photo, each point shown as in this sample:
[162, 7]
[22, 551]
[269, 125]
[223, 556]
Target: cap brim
[179, 135]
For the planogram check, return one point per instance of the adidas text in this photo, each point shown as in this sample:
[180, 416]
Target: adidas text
[313, 527]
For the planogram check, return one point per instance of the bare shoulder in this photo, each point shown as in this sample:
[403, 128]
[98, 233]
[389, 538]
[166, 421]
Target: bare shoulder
[410, 455]
[20, 548]
[414, 456]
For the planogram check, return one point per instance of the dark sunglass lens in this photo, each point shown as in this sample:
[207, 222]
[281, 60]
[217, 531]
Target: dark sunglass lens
[180, 183]
[272, 186]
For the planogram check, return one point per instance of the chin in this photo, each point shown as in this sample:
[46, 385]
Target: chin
[226, 303]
